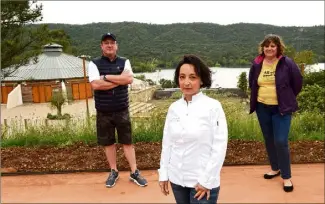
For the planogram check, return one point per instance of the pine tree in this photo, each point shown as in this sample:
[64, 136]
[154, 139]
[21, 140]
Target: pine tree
[242, 82]
[20, 41]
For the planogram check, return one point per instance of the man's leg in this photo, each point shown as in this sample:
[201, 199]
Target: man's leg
[123, 127]
[129, 153]
[124, 132]
[110, 152]
[106, 138]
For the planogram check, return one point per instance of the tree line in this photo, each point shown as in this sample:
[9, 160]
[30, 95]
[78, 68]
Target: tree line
[148, 46]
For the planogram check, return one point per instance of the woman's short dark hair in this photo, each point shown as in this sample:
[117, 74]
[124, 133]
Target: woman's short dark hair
[201, 70]
[276, 40]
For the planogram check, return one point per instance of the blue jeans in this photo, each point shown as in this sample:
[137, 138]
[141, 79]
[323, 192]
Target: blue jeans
[185, 195]
[275, 128]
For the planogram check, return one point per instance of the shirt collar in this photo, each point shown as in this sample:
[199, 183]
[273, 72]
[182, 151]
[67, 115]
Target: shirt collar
[194, 97]
[104, 57]
[260, 58]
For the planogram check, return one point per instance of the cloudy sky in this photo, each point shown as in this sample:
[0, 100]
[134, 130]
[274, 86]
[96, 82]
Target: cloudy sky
[281, 13]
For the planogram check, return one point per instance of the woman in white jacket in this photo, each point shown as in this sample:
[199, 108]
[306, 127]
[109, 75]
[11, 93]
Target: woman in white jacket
[195, 138]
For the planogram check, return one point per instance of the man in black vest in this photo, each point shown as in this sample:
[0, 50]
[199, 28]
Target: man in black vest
[109, 76]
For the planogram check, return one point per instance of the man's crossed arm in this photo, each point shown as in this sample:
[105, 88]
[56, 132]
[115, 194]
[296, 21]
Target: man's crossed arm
[113, 81]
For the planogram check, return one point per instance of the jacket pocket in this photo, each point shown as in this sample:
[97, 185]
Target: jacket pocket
[286, 99]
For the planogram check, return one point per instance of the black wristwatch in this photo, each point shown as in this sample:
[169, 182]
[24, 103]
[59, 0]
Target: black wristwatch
[105, 79]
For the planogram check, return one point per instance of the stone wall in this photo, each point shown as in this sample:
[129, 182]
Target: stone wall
[167, 93]
[142, 95]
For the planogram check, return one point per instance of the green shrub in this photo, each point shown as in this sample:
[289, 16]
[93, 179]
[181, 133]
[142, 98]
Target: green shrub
[141, 77]
[165, 83]
[176, 95]
[151, 83]
[242, 82]
[57, 117]
[57, 101]
[51, 117]
[311, 98]
[315, 78]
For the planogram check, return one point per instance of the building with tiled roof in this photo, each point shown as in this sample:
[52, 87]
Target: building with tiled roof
[53, 70]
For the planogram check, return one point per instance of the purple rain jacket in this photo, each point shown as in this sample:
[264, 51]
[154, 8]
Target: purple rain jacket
[288, 82]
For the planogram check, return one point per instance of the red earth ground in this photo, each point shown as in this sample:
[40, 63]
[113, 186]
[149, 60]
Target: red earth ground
[84, 157]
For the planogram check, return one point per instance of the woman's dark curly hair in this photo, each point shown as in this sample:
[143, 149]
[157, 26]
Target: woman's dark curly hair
[201, 70]
[274, 39]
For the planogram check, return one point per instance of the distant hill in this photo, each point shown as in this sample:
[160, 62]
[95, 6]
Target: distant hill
[227, 45]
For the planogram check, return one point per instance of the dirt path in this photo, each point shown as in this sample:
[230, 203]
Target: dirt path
[239, 184]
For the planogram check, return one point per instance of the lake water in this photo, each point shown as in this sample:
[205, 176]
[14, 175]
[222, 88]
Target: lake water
[221, 77]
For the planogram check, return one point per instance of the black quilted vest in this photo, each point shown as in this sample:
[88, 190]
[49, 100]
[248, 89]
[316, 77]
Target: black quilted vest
[116, 99]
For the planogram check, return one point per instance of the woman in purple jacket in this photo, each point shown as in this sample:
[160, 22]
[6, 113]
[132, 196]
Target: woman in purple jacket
[275, 81]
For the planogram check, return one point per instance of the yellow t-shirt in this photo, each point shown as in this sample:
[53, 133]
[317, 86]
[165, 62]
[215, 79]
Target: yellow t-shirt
[266, 83]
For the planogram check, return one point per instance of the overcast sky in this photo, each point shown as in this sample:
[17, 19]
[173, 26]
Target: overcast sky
[288, 13]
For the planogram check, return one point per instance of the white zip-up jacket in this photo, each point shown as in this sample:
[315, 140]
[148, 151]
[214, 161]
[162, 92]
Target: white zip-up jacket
[194, 142]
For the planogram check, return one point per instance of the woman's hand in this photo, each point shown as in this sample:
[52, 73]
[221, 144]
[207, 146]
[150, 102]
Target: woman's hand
[201, 191]
[164, 187]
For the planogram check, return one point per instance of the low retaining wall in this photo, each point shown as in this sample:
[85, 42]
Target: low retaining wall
[167, 93]
[142, 95]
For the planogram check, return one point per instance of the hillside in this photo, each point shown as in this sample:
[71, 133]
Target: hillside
[228, 45]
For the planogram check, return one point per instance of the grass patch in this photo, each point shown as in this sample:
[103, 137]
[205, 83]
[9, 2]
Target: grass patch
[149, 127]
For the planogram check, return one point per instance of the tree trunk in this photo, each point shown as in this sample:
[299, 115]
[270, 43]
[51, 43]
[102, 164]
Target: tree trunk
[59, 111]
